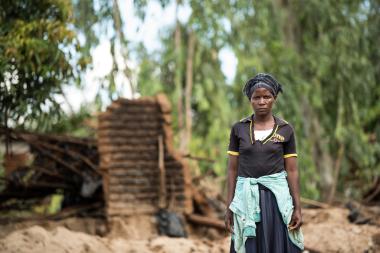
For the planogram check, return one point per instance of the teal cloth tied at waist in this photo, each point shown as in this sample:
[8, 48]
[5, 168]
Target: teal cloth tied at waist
[246, 207]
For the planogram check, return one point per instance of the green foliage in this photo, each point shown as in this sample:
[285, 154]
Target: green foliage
[37, 50]
[209, 106]
[321, 52]
[75, 123]
[326, 56]
[97, 21]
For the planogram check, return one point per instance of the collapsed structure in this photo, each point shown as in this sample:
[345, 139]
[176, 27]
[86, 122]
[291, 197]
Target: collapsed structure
[131, 167]
[41, 165]
[141, 170]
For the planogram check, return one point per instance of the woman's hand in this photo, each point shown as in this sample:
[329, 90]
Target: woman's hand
[296, 221]
[228, 220]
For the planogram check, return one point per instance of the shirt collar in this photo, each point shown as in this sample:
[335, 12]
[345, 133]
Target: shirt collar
[278, 121]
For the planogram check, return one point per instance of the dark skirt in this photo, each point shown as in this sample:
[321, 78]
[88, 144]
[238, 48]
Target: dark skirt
[271, 232]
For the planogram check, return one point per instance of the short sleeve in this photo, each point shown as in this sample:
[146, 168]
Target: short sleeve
[290, 146]
[233, 147]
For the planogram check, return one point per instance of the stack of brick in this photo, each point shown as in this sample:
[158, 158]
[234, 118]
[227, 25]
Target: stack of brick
[135, 179]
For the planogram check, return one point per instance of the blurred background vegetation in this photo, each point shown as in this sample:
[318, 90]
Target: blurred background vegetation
[325, 53]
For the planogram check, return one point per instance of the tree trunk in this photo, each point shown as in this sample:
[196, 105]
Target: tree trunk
[188, 91]
[178, 79]
[322, 159]
[337, 167]
[320, 150]
[289, 25]
[123, 45]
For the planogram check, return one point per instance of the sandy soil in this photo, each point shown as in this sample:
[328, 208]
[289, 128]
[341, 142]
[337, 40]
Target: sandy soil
[37, 239]
[330, 231]
[324, 230]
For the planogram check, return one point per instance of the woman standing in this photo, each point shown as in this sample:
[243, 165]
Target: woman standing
[264, 211]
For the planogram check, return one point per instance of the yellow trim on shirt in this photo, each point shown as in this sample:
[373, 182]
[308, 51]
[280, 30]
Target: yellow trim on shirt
[232, 152]
[275, 131]
[290, 155]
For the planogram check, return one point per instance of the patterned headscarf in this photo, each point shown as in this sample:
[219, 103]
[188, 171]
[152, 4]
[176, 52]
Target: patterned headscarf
[262, 80]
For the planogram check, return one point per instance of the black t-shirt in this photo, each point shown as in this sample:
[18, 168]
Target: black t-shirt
[260, 158]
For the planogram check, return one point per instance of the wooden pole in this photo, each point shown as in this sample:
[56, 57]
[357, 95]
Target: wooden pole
[161, 167]
[206, 221]
[314, 203]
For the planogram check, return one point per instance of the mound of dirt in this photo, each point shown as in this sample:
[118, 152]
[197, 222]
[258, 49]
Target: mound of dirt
[36, 239]
[91, 226]
[325, 230]
[328, 230]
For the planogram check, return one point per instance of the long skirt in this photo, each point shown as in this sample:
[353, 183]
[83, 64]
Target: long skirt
[271, 232]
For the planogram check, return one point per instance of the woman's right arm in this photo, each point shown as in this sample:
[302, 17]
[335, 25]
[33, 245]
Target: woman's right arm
[233, 161]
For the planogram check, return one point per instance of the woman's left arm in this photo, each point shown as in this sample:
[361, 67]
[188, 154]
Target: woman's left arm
[293, 181]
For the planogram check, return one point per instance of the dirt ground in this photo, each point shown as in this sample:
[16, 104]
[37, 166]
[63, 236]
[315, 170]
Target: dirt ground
[329, 230]
[326, 230]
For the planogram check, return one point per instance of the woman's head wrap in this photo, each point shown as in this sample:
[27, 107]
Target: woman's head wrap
[262, 80]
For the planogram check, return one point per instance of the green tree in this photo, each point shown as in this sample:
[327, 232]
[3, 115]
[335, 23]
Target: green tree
[101, 20]
[321, 51]
[38, 50]
[188, 70]
[324, 53]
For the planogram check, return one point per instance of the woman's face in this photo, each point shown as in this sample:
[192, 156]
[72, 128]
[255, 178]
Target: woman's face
[262, 101]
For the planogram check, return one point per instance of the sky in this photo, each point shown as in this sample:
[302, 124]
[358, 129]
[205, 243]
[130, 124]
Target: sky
[147, 32]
